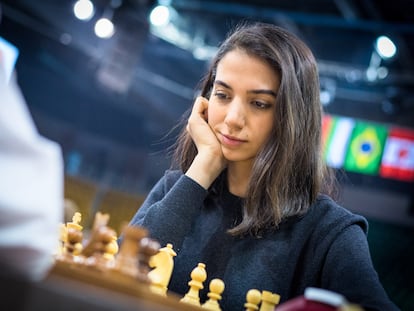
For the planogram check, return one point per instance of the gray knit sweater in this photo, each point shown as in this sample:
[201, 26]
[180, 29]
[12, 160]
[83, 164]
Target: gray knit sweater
[325, 248]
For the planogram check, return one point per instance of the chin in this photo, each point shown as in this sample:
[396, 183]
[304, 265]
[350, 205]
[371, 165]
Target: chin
[232, 157]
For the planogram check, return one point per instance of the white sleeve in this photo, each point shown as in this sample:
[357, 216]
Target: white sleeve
[31, 189]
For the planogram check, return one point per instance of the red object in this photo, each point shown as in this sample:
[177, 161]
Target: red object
[314, 299]
[398, 156]
[302, 304]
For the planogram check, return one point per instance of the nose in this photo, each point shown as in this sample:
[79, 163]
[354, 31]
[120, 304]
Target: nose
[235, 115]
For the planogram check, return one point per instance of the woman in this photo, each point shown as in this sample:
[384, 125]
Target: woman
[245, 195]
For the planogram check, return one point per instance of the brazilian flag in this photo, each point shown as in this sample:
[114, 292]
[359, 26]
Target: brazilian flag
[365, 148]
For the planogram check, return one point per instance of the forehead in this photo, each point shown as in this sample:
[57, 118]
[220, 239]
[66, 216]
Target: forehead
[237, 66]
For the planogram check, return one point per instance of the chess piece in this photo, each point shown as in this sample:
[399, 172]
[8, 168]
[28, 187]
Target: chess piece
[76, 219]
[99, 240]
[111, 249]
[148, 247]
[216, 289]
[127, 260]
[253, 298]
[63, 237]
[73, 238]
[269, 301]
[198, 276]
[162, 265]
[350, 307]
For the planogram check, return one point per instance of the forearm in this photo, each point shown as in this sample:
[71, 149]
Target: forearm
[204, 170]
[31, 190]
[209, 161]
[31, 205]
[168, 213]
[349, 270]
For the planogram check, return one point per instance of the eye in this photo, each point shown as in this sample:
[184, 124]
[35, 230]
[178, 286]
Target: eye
[261, 105]
[221, 95]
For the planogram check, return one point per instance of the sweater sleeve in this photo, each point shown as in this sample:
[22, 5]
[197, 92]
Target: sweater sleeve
[170, 207]
[347, 260]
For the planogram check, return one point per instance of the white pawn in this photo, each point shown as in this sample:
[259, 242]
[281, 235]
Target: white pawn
[253, 298]
[198, 276]
[216, 289]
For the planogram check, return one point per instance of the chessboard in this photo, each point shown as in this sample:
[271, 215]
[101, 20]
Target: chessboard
[139, 268]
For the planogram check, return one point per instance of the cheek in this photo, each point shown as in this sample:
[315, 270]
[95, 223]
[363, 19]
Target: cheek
[264, 127]
[214, 115]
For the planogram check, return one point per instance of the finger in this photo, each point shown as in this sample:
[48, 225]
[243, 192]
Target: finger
[200, 106]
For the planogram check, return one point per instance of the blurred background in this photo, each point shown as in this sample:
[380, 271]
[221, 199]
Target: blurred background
[109, 79]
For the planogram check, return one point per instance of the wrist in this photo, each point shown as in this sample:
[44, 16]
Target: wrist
[204, 170]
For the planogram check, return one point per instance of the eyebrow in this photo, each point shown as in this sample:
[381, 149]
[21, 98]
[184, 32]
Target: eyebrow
[260, 91]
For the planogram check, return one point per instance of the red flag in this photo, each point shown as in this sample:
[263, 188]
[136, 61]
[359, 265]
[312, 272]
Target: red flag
[398, 157]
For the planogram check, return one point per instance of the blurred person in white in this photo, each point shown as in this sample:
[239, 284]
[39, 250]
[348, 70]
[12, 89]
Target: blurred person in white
[31, 187]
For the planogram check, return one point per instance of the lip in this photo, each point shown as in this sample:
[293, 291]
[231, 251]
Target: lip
[231, 140]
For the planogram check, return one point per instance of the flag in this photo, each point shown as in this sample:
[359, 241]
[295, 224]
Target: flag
[336, 133]
[398, 158]
[365, 148]
[326, 128]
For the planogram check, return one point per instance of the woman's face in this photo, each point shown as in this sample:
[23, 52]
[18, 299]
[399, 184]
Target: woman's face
[241, 108]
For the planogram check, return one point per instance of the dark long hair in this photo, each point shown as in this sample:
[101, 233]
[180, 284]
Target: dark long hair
[288, 172]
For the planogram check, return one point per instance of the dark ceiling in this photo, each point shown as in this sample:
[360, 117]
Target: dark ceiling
[110, 103]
